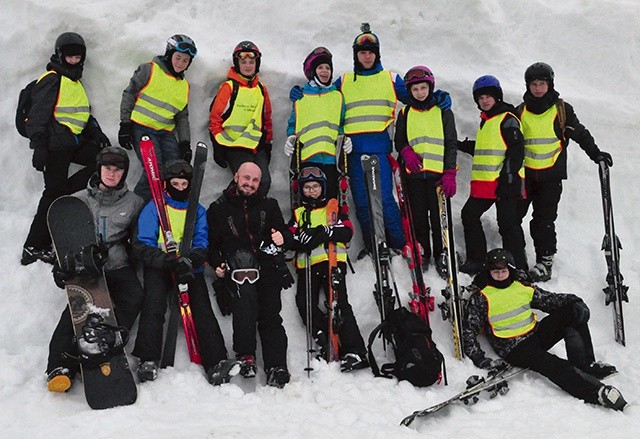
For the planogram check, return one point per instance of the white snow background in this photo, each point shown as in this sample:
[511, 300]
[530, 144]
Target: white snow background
[593, 46]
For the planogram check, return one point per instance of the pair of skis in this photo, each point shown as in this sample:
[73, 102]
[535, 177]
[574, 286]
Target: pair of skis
[179, 305]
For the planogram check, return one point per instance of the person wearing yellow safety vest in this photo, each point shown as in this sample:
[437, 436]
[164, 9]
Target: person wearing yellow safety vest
[503, 307]
[316, 120]
[311, 234]
[61, 131]
[160, 270]
[548, 124]
[497, 176]
[427, 141]
[155, 104]
[240, 117]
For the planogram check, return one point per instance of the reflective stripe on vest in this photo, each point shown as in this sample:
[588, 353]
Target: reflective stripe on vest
[176, 219]
[425, 133]
[160, 100]
[72, 107]
[541, 145]
[243, 127]
[509, 310]
[318, 217]
[317, 123]
[370, 102]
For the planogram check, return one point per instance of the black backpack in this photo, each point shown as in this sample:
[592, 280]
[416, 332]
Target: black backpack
[24, 105]
[418, 360]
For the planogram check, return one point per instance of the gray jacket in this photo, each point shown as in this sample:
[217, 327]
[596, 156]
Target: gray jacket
[116, 214]
[140, 79]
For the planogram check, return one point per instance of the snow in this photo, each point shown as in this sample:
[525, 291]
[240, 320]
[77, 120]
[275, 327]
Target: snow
[593, 47]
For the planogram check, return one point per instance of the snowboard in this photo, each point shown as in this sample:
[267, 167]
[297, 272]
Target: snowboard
[109, 381]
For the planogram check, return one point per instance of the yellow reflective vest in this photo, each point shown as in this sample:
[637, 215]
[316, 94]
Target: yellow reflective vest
[509, 310]
[72, 107]
[425, 134]
[370, 102]
[177, 220]
[318, 217]
[243, 127]
[541, 145]
[318, 122]
[160, 100]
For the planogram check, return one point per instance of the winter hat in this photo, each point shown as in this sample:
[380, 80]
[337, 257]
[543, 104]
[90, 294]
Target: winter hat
[487, 85]
[540, 71]
[114, 156]
[319, 55]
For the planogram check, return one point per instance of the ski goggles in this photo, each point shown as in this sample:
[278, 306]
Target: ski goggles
[417, 74]
[311, 172]
[245, 55]
[186, 47]
[242, 275]
[366, 39]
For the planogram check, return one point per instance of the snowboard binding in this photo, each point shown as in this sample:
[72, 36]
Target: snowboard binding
[100, 341]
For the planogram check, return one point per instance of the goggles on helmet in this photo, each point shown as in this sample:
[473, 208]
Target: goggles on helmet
[241, 275]
[245, 55]
[312, 171]
[366, 39]
[186, 47]
[418, 74]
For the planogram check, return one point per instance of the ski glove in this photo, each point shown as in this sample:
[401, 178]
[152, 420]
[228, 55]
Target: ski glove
[289, 145]
[39, 159]
[467, 146]
[295, 93]
[580, 312]
[95, 134]
[602, 156]
[448, 182]
[185, 151]
[443, 100]
[347, 145]
[184, 270]
[125, 135]
[284, 274]
[412, 160]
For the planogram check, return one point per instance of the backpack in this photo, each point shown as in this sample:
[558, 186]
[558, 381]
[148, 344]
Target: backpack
[418, 360]
[24, 105]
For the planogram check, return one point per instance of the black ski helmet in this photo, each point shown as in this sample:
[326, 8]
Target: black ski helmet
[487, 85]
[177, 168]
[499, 258]
[246, 47]
[115, 156]
[540, 71]
[308, 174]
[69, 44]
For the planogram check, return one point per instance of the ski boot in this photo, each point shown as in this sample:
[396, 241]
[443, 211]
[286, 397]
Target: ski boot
[32, 254]
[541, 272]
[247, 366]
[610, 397]
[59, 380]
[278, 376]
[599, 370]
[441, 267]
[470, 267]
[147, 371]
[223, 371]
[353, 361]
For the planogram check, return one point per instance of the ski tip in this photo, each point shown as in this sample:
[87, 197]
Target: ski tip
[145, 138]
[201, 145]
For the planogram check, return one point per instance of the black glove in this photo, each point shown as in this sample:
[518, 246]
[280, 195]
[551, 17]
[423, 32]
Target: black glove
[286, 278]
[580, 312]
[170, 262]
[185, 151]
[321, 235]
[467, 146]
[602, 156]
[60, 276]
[95, 134]
[482, 362]
[184, 270]
[509, 187]
[40, 152]
[219, 154]
[125, 135]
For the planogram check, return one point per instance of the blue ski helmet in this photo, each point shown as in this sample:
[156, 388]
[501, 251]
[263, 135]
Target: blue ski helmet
[487, 85]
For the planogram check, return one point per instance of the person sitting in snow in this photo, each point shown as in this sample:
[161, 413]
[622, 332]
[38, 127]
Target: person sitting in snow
[115, 210]
[502, 306]
[312, 234]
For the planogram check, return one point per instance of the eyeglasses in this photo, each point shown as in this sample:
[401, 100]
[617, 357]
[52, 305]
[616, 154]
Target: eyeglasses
[311, 171]
[241, 275]
[309, 187]
[245, 55]
[418, 74]
[365, 39]
[186, 47]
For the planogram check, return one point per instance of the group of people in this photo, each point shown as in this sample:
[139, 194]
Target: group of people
[243, 234]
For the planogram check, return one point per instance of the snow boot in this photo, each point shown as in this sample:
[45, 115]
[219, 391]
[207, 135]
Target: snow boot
[278, 376]
[470, 267]
[32, 254]
[59, 380]
[541, 272]
[599, 370]
[223, 371]
[610, 397]
[441, 268]
[147, 371]
[321, 340]
[353, 361]
[247, 366]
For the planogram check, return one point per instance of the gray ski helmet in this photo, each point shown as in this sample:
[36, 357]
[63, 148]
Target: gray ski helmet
[499, 258]
[115, 156]
[69, 44]
[181, 43]
[540, 71]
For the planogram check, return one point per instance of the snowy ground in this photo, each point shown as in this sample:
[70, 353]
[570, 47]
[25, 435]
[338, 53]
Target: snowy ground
[593, 47]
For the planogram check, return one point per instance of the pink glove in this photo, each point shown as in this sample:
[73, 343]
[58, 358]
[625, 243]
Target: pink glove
[412, 161]
[448, 182]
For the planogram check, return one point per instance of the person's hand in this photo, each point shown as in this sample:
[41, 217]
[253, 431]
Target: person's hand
[277, 237]
[221, 270]
[604, 157]
[467, 146]
[295, 93]
[60, 276]
[289, 145]
[185, 151]
[347, 145]
[412, 160]
[443, 100]
[125, 135]
[448, 182]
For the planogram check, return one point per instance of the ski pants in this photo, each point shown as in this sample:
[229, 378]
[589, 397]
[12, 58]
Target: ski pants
[545, 197]
[423, 199]
[237, 156]
[532, 353]
[166, 148]
[390, 210]
[509, 226]
[351, 340]
[127, 296]
[258, 307]
[158, 286]
[57, 183]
